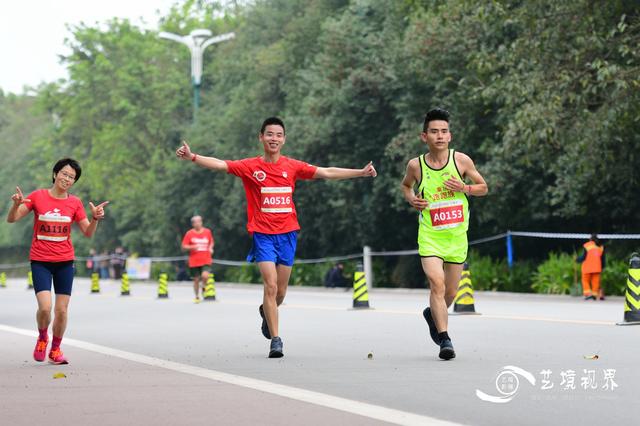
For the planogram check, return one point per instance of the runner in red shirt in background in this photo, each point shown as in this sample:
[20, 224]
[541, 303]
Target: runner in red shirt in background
[52, 254]
[199, 242]
[269, 181]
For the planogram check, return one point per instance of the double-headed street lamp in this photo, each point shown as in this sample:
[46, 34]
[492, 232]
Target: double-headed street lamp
[197, 41]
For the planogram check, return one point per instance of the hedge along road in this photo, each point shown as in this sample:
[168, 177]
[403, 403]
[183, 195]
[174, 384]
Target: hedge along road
[134, 352]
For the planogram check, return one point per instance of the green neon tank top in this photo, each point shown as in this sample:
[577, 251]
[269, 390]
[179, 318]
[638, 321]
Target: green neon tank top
[448, 211]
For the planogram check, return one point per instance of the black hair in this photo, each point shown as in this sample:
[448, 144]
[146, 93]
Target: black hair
[272, 121]
[66, 162]
[595, 239]
[435, 114]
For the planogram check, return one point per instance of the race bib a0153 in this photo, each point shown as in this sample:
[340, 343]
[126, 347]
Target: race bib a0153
[446, 214]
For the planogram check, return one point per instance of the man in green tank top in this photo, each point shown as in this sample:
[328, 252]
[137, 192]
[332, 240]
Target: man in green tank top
[441, 196]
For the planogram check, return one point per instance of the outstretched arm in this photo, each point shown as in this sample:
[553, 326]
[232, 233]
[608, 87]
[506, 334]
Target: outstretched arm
[184, 152]
[339, 173]
[18, 210]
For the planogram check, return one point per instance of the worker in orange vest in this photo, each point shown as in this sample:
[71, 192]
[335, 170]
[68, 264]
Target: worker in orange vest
[593, 262]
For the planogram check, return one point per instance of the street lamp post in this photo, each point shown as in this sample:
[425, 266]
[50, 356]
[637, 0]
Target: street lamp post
[197, 41]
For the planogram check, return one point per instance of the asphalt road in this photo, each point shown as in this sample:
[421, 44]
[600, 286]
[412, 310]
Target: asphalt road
[140, 360]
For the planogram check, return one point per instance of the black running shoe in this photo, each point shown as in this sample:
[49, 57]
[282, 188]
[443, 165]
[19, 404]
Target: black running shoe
[265, 326]
[433, 331]
[590, 297]
[276, 348]
[446, 350]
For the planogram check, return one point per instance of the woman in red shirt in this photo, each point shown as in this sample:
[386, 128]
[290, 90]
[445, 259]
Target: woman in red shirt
[52, 254]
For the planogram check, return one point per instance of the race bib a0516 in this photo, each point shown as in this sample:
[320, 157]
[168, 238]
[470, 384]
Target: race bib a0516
[276, 199]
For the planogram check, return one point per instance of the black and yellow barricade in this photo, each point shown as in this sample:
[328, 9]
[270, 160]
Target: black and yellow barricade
[95, 283]
[632, 295]
[464, 303]
[163, 288]
[210, 288]
[124, 285]
[3, 279]
[29, 280]
[360, 290]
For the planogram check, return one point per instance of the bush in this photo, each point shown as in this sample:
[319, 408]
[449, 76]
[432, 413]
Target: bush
[495, 275]
[487, 274]
[556, 275]
[407, 273]
[302, 274]
[520, 278]
[248, 273]
[311, 274]
[614, 277]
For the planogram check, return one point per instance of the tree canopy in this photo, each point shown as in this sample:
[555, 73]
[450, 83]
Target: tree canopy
[544, 96]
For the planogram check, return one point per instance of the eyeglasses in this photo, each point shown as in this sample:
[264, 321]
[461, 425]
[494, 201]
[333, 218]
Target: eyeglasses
[67, 176]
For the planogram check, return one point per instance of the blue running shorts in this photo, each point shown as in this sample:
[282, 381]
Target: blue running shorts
[277, 248]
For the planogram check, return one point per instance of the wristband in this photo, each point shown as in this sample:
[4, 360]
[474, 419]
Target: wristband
[194, 157]
[96, 219]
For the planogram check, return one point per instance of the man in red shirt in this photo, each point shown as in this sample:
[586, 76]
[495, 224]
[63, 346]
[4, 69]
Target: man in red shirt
[269, 181]
[199, 241]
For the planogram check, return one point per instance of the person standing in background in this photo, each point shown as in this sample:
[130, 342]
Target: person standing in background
[335, 277]
[199, 242]
[117, 262]
[91, 264]
[104, 265]
[593, 262]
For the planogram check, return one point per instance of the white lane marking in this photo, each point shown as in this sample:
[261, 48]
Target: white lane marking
[376, 412]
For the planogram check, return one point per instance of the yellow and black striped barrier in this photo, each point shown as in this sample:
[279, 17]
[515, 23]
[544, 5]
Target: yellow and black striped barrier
[464, 302]
[360, 290]
[124, 285]
[210, 288]
[95, 283]
[29, 280]
[632, 295]
[163, 288]
[3, 279]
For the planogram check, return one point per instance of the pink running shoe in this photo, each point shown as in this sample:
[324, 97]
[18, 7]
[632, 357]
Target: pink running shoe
[56, 357]
[40, 352]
